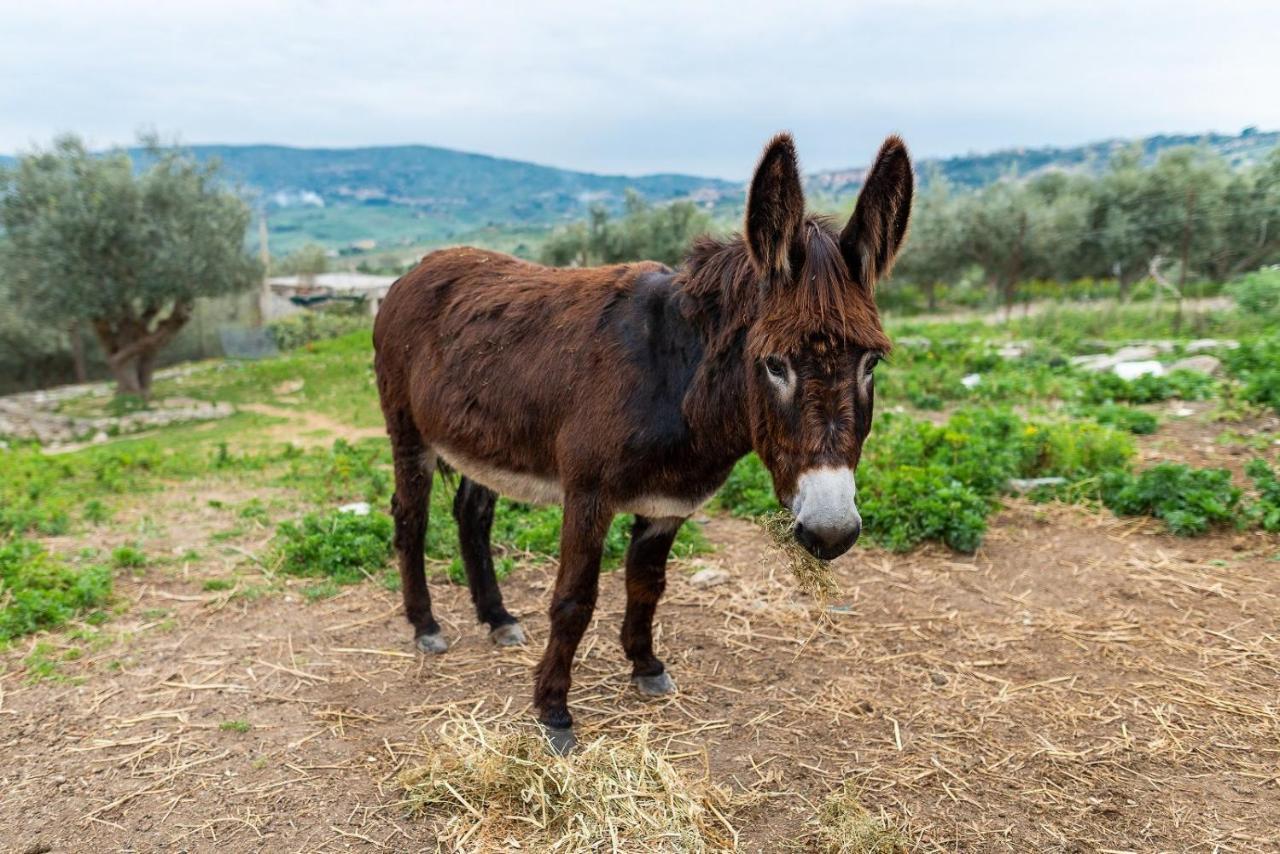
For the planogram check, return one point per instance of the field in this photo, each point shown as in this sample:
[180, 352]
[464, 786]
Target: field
[1060, 631]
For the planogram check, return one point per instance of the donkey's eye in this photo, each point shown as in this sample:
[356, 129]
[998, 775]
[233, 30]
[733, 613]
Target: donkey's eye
[776, 367]
[873, 360]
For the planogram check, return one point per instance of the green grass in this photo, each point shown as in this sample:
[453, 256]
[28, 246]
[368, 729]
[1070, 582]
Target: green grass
[919, 481]
[40, 591]
[1188, 500]
[235, 726]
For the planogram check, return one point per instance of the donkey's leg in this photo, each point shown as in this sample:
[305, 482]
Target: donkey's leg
[651, 541]
[414, 466]
[572, 602]
[473, 508]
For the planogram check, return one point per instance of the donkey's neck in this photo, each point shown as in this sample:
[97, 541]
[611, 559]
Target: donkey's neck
[717, 291]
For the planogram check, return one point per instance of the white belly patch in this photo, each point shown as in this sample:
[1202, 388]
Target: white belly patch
[535, 489]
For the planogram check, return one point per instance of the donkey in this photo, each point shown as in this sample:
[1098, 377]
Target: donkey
[634, 389]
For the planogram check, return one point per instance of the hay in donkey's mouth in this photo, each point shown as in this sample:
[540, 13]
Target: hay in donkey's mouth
[491, 785]
[813, 575]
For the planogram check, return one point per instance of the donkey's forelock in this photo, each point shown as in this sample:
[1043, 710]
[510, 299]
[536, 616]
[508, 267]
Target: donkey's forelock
[821, 301]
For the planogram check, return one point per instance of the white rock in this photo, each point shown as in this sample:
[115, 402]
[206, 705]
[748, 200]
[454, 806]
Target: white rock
[1204, 364]
[1012, 351]
[1201, 344]
[1097, 362]
[708, 577]
[913, 342]
[1133, 370]
[359, 508]
[1182, 412]
[971, 381]
[1136, 353]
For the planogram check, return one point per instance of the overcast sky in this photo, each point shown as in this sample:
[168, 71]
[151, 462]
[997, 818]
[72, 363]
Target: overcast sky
[672, 86]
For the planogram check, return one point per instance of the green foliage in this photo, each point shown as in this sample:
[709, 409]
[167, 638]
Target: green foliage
[1256, 365]
[1106, 387]
[298, 330]
[1188, 500]
[126, 253]
[919, 481]
[1266, 510]
[39, 591]
[309, 260]
[307, 327]
[128, 557]
[346, 547]
[1258, 293]
[1122, 418]
[1035, 237]
[645, 232]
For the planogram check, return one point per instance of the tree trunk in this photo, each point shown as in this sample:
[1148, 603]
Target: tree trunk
[77, 352]
[128, 376]
[131, 345]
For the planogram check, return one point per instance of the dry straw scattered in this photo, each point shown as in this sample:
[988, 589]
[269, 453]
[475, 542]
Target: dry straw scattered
[813, 576]
[496, 787]
[845, 826]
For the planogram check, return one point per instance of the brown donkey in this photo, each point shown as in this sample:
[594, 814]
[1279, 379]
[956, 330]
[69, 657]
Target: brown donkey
[634, 389]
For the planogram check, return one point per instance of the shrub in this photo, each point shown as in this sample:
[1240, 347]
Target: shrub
[346, 547]
[1266, 510]
[39, 591]
[1258, 293]
[1123, 418]
[915, 504]
[1106, 387]
[1188, 500]
[919, 481]
[298, 330]
[1257, 366]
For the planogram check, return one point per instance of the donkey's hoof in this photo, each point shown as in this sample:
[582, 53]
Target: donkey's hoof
[433, 644]
[654, 686]
[508, 634]
[561, 740]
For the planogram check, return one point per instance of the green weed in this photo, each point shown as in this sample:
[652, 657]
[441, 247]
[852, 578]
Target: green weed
[40, 591]
[1188, 500]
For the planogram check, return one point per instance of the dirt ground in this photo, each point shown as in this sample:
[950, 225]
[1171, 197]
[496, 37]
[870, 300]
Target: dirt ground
[1082, 684]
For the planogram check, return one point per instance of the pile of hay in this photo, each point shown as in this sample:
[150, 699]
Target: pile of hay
[499, 788]
[845, 826]
[813, 575]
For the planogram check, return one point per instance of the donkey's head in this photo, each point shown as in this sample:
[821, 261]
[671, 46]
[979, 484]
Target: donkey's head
[815, 341]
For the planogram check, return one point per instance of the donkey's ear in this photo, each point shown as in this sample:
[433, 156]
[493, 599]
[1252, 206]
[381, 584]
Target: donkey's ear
[878, 226]
[775, 207]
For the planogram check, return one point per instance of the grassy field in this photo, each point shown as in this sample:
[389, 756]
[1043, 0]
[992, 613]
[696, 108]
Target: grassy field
[1060, 628]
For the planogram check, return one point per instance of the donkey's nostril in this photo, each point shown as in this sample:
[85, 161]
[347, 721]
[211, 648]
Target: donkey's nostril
[827, 544]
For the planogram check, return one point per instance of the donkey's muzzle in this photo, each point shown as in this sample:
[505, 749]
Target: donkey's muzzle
[827, 544]
[826, 510]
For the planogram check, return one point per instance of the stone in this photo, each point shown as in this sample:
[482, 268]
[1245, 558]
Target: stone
[913, 342]
[1133, 370]
[1027, 484]
[708, 577]
[1203, 364]
[358, 508]
[1097, 362]
[1136, 353]
[971, 380]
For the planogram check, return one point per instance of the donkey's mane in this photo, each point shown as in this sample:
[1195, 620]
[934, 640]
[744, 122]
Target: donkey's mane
[823, 301]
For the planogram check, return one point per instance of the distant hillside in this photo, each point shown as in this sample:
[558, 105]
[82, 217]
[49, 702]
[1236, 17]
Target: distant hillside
[359, 199]
[978, 170]
[473, 187]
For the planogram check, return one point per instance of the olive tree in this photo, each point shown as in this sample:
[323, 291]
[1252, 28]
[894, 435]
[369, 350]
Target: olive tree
[125, 253]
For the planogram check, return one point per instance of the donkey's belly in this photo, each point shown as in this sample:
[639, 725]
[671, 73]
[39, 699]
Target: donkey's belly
[537, 489]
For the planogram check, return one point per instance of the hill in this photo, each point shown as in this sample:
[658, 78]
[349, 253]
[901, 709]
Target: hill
[393, 197]
[978, 170]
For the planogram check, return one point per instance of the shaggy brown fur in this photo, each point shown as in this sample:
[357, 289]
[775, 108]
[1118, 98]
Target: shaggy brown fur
[631, 388]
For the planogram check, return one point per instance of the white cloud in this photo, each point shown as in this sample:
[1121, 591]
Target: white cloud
[664, 86]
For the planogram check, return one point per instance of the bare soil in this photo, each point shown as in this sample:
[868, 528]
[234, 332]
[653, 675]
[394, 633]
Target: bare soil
[1083, 683]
